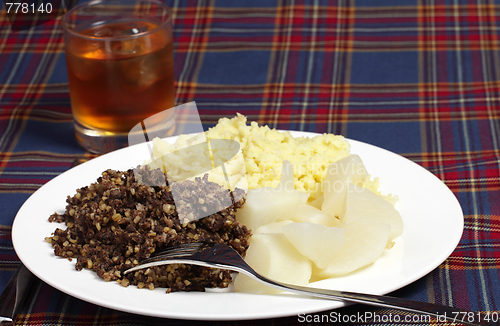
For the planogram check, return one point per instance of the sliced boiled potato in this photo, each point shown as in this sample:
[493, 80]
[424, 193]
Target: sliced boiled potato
[345, 229]
[311, 214]
[318, 202]
[338, 176]
[317, 242]
[364, 243]
[267, 205]
[273, 256]
[273, 227]
[364, 204]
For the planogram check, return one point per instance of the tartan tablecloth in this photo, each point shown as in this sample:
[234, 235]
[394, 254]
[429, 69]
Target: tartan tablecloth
[420, 78]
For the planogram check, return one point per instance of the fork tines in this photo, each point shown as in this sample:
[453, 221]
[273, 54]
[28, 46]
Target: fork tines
[185, 250]
[182, 250]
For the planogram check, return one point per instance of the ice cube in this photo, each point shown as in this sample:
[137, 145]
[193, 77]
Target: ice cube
[138, 73]
[132, 29]
[103, 32]
[84, 60]
[84, 69]
[127, 47]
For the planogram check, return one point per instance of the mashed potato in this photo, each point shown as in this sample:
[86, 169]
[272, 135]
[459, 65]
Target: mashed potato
[262, 152]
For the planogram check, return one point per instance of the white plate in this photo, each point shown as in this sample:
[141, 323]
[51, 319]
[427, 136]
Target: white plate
[432, 217]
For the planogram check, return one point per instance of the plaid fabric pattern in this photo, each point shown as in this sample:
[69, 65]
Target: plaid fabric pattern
[418, 77]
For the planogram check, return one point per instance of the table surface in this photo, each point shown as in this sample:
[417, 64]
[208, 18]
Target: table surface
[419, 78]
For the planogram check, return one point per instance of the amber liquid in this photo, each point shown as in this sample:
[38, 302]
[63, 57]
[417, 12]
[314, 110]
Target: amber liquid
[117, 83]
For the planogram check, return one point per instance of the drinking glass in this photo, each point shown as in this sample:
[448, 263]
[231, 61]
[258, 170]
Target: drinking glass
[120, 60]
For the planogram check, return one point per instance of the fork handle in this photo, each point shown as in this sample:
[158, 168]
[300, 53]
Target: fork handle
[223, 257]
[14, 294]
[451, 314]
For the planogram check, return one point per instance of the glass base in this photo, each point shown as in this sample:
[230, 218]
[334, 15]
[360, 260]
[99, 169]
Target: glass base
[100, 141]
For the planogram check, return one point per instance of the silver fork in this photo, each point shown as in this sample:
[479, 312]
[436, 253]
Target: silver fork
[222, 256]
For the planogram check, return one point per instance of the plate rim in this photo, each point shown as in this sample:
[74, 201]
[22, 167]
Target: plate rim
[215, 317]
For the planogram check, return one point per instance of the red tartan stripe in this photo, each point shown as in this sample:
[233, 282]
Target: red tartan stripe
[51, 112]
[22, 93]
[49, 157]
[332, 45]
[18, 175]
[185, 17]
[453, 87]
[323, 116]
[47, 38]
[346, 43]
[9, 260]
[335, 44]
[303, 14]
[460, 160]
[322, 113]
[473, 185]
[482, 35]
[439, 157]
[9, 266]
[5, 229]
[435, 37]
[426, 90]
[25, 188]
[33, 47]
[196, 37]
[468, 263]
[39, 112]
[45, 89]
[375, 113]
[453, 13]
[439, 12]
